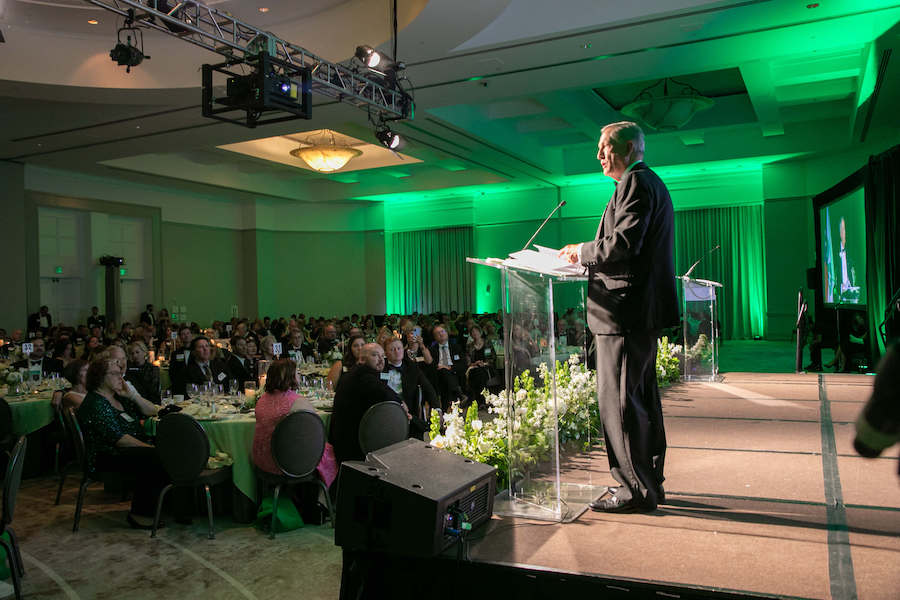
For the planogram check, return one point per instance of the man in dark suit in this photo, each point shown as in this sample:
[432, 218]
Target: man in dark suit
[202, 368]
[179, 359]
[36, 361]
[40, 321]
[96, 319]
[404, 377]
[450, 364]
[238, 363]
[148, 318]
[631, 296]
[357, 391]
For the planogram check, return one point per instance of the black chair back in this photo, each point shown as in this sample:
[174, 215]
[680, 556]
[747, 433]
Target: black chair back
[383, 424]
[75, 436]
[298, 443]
[13, 479]
[182, 446]
[7, 439]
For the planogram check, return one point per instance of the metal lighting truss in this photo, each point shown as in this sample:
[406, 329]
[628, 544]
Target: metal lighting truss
[223, 34]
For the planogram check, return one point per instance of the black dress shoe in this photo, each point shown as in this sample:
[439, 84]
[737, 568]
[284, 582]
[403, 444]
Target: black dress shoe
[660, 495]
[614, 504]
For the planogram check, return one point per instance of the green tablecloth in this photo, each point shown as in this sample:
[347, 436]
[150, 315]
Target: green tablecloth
[30, 412]
[234, 436]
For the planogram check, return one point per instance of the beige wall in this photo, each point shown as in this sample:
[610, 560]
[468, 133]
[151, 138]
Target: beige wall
[13, 306]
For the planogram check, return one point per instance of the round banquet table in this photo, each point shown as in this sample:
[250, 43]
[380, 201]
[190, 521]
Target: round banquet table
[30, 412]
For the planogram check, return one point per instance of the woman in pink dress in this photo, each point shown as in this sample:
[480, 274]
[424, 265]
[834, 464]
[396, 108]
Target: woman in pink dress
[278, 400]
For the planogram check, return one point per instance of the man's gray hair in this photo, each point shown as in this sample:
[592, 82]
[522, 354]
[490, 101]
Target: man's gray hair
[623, 132]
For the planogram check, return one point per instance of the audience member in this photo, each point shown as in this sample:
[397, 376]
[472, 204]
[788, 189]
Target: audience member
[358, 390]
[76, 374]
[203, 368]
[481, 358]
[38, 363]
[96, 319]
[410, 383]
[141, 374]
[416, 350]
[352, 357]
[239, 364]
[449, 368]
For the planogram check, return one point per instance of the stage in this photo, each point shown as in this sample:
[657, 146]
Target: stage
[766, 497]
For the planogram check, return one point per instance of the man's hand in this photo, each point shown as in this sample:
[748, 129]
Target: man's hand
[569, 253]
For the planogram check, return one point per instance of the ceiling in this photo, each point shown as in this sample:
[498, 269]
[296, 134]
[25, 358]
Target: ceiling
[509, 93]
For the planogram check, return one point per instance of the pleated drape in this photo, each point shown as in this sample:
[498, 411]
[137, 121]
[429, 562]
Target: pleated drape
[430, 270]
[739, 264]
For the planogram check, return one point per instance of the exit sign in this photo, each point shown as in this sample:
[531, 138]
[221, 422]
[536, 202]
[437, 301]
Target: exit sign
[123, 271]
[58, 270]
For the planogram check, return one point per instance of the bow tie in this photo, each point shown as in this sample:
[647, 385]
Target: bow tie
[394, 368]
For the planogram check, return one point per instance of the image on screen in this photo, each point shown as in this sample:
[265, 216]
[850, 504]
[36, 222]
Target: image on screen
[843, 224]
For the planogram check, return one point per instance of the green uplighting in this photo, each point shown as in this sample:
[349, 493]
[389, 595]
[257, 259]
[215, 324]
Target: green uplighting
[869, 77]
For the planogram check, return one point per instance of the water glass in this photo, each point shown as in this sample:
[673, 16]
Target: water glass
[193, 391]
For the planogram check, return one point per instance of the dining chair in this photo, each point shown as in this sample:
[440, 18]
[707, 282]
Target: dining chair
[383, 424]
[10, 491]
[298, 443]
[183, 449]
[63, 438]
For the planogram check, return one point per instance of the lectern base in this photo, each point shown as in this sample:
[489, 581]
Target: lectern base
[573, 502]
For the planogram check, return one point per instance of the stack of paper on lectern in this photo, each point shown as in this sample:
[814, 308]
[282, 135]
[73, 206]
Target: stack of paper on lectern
[544, 260]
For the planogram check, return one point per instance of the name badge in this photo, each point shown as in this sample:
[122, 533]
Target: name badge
[420, 359]
[456, 357]
[126, 417]
[385, 376]
[179, 357]
[221, 376]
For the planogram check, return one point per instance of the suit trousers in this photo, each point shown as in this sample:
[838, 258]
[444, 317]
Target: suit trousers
[631, 412]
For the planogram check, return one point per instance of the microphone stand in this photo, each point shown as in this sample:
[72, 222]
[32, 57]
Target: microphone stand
[694, 266]
[553, 212]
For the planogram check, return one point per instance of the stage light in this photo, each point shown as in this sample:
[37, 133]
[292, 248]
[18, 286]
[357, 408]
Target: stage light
[368, 56]
[128, 54]
[388, 138]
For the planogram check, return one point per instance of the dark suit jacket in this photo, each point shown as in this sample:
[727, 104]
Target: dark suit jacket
[49, 365]
[357, 390]
[220, 374]
[411, 378]
[148, 318]
[34, 321]
[631, 261]
[145, 380]
[460, 360]
[178, 370]
[241, 372]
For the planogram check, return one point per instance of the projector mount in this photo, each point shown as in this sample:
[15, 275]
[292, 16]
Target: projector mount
[240, 42]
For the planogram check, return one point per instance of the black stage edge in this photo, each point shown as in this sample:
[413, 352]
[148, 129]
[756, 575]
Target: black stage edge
[373, 576]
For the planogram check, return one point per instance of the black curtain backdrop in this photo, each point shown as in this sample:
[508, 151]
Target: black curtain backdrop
[882, 183]
[430, 270]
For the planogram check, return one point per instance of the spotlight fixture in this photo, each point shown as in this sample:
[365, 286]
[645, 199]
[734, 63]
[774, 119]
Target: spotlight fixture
[368, 56]
[388, 138]
[128, 54]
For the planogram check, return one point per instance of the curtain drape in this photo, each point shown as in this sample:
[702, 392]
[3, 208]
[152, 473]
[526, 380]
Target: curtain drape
[882, 185]
[739, 264]
[430, 272]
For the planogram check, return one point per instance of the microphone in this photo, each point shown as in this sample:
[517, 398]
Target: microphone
[694, 266]
[553, 212]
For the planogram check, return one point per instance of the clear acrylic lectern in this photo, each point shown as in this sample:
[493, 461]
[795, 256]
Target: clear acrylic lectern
[700, 359]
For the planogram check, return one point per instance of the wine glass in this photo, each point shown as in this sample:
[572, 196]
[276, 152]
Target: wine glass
[193, 391]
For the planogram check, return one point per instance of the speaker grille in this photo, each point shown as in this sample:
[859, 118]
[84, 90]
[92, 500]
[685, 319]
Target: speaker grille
[475, 505]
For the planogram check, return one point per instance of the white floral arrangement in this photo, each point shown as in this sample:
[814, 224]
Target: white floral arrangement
[332, 356]
[531, 416]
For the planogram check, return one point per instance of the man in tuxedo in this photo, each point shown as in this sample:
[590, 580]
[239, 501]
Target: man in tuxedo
[179, 359]
[40, 321]
[450, 364]
[404, 377]
[203, 368]
[96, 319]
[36, 361]
[148, 318]
[238, 363]
[631, 296]
[357, 391]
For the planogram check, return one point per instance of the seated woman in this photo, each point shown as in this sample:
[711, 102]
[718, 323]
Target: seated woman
[142, 375]
[351, 359]
[266, 348]
[279, 400]
[481, 359]
[91, 347]
[416, 350]
[64, 350]
[76, 374]
[115, 441]
[252, 348]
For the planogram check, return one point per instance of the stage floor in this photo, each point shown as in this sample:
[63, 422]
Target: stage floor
[765, 496]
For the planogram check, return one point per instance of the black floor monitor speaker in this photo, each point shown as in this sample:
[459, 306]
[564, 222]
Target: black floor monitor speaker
[411, 498]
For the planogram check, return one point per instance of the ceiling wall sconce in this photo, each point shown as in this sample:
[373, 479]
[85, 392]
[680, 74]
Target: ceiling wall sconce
[667, 105]
[322, 153]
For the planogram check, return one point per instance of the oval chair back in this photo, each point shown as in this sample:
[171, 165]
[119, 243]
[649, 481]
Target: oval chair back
[298, 443]
[383, 424]
[12, 481]
[183, 447]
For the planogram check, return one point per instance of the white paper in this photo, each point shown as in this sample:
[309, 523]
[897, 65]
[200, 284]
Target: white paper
[544, 260]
